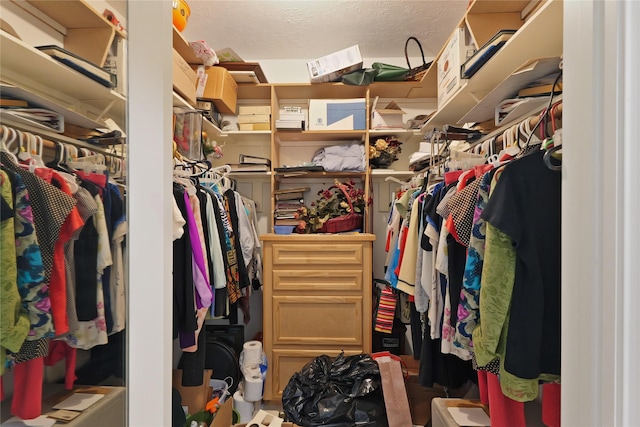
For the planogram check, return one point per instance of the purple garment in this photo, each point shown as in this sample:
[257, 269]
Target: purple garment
[204, 294]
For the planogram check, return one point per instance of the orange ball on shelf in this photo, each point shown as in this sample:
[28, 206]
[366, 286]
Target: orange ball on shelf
[181, 12]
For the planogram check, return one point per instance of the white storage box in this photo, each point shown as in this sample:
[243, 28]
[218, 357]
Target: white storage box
[456, 51]
[337, 114]
[330, 68]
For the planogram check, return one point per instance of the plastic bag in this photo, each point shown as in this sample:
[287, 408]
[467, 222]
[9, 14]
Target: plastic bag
[340, 392]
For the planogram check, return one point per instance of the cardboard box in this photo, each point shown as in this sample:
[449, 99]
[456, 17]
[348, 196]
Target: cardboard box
[459, 47]
[443, 418]
[217, 85]
[254, 109]
[389, 117]
[337, 114]
[330, 68]
[184, 79]
[254, 118]
[254, 126]
[195, 398]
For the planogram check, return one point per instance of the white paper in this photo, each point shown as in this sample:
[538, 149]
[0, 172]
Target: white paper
[79, 401]
[469, 416]
[41, 421]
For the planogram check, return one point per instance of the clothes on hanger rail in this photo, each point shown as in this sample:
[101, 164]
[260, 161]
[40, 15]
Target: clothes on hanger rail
[482, 264]
[64, 297]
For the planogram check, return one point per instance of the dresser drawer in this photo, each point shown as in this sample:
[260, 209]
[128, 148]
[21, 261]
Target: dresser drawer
[338, 280]
[317, 320]
[334, 254]
[286, 362]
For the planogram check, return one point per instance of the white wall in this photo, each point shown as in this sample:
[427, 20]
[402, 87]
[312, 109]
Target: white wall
[295, 70]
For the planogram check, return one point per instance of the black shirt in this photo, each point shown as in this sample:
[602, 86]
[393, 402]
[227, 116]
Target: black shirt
[525, 205]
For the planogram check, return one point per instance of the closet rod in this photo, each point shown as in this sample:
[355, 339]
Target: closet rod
[49, 138]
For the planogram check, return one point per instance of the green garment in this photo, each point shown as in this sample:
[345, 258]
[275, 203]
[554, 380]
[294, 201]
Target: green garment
[14, 321]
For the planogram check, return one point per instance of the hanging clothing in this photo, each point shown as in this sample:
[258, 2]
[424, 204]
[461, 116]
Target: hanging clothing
[468, 309]
[184, 311]
[525, 205]
[87, 207]
[93, 332]
[14, 320]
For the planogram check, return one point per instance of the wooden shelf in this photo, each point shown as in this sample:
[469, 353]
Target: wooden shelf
[404, 135]
[253, 175]
[426, 88]
[70, 116]
[497, 6]
[318, 90]
[377, 174]
[318, 175]
[184, 49]
[88, 33]
[540, 36]
[319, 135]
[248, 136]
[38, 73]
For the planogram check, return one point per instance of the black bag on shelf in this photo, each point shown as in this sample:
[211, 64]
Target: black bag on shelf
[341, 392]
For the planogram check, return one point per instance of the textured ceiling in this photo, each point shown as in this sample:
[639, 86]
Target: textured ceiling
[307, 29]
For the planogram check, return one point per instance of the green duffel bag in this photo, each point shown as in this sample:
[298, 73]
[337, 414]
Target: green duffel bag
[389, 73]
[362, 77]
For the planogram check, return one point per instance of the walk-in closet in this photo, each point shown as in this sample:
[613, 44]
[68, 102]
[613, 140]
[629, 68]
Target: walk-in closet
[341, 213]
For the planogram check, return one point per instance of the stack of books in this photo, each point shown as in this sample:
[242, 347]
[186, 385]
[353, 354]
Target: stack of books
[248, 163]
[288, 201]
[291, 118]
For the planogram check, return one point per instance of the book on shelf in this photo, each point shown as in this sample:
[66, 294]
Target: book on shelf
[298, 202]
[291, 190]
[285, 221]
[292, 116]
[482, 55]
[290, 196]
[254, 160]
[290, 124]
[40, 118]
[79, 64]
[288, 210]
[285, 215]
[540, 90]
[249, 167]
[10, 102]
[289, 204]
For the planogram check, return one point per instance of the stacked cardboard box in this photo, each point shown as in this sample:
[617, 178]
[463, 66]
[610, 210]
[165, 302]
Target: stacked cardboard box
[254, 117]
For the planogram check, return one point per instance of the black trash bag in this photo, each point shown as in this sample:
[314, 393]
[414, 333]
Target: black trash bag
[340, 392]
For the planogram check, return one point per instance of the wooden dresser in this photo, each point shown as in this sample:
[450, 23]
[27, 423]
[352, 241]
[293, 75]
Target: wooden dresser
[317, 300]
